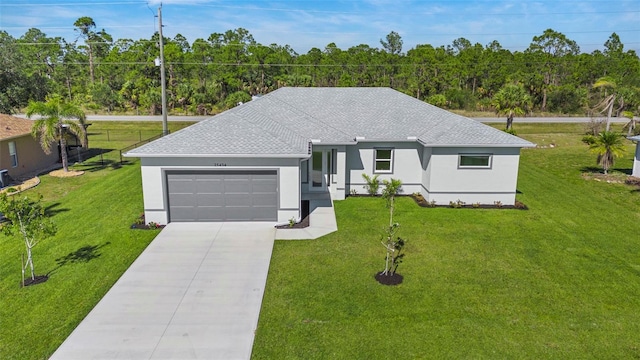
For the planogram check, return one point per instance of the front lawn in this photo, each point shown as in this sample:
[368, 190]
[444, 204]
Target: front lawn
[560, 280]
[92, 248]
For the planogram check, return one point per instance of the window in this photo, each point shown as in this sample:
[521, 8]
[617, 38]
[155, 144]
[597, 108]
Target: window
[383, 160]
[12, 154]
[474, 161]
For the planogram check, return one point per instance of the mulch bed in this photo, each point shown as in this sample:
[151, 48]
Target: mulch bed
[388, 279]
[632, 180]
[302, 223]
[420, 200]
[142, 224]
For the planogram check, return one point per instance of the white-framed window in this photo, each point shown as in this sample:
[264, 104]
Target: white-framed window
[475, 161]
[13, 154]
[383, 160]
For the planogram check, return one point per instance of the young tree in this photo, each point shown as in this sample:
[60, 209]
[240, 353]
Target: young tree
[608, 146]
[511, 100]
[55, 122]
[28, 219]
[392, 246]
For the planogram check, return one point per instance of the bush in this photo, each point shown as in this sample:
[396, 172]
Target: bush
[373, 184]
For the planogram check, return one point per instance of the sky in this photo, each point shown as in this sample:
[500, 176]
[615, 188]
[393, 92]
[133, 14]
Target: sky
[305, 24]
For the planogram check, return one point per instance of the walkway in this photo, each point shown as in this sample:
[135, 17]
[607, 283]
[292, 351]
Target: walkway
[194, 293]
[322, 219]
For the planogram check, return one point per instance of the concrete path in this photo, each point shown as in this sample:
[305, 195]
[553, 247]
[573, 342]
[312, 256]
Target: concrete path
[194, 293]
[322, 221]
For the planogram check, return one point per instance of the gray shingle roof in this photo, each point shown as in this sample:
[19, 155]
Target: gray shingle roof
[283, 122]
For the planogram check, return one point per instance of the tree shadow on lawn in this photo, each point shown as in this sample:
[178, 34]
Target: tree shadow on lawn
[52, 209]
[100, 164]
[95, 160]
[82, 255]
[591, 169]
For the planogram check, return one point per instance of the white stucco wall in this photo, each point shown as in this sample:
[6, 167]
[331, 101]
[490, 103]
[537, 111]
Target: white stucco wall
[155, 191]
[447, 182]
[406, 165]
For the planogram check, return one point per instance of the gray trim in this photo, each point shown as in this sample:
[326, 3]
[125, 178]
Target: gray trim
[478, 145]
[253, 156]
[472, 192]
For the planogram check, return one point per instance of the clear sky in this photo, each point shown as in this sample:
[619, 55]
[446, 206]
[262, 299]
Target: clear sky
[304, 24]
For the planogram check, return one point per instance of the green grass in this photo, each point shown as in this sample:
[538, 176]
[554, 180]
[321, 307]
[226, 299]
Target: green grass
[560, 280]
[107, 137]
[92, 248]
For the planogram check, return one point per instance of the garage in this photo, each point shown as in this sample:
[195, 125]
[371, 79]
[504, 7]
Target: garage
[222, 195]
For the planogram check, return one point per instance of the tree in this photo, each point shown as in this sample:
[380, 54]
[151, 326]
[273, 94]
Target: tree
[13, 92]
[555, 49]
[393, 45]
[511, 100]
[613, 94]
[54, 123]
[97, 43]
[392, 246]
[28, 219]
[85, 26]
[607, 145]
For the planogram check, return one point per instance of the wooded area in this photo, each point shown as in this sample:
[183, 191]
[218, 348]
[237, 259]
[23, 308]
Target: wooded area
[210, 75]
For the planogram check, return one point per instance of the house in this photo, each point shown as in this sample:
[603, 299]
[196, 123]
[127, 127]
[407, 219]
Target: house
[258, 161]
[20, 153]
[636, 158]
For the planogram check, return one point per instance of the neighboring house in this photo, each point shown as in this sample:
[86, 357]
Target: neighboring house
[258, 161]
[636, 158]
[20, 153]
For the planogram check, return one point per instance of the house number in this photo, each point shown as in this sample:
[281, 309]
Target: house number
[219, 164]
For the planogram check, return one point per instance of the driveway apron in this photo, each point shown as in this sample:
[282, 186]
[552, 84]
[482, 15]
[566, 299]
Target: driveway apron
[194, 293]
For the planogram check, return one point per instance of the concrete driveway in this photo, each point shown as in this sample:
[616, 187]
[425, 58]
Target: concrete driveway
[194, 293]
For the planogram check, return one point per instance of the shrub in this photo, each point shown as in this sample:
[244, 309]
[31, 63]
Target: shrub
[589, 139]
[373, 184]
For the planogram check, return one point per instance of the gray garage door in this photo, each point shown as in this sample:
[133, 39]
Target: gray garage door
[223, 196]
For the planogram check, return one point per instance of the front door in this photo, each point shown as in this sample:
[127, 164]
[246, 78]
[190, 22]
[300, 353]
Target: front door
[318, 171]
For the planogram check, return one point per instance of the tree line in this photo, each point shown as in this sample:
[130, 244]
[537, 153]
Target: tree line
[209, 75]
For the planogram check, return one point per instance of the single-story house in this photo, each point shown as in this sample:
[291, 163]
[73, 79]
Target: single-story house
[20, 153]
[259, 160]
[636, 158]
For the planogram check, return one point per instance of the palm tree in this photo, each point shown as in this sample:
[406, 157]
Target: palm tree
[609, 101]
[608, 146]
[511, 100]
[54, 122]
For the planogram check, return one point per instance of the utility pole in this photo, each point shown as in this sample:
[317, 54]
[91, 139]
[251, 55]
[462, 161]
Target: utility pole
[165, 129]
